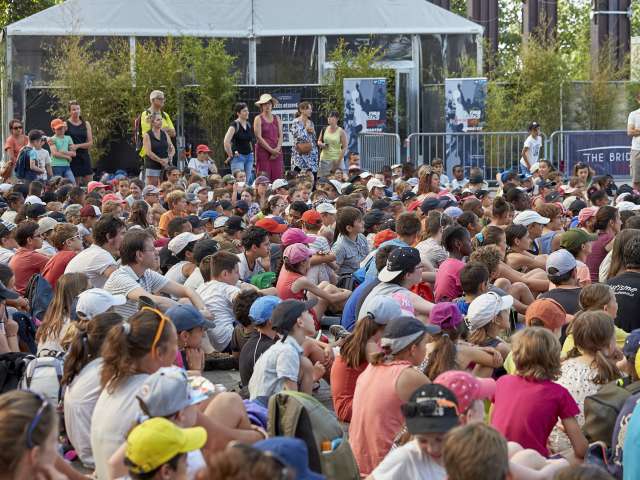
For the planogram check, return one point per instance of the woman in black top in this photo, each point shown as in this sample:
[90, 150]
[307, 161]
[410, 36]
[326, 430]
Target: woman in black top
[238, 143]
[159, 149]
[80, 132]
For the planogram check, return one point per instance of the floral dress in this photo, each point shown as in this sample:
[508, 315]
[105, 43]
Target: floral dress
[577, 377]
[308, 161]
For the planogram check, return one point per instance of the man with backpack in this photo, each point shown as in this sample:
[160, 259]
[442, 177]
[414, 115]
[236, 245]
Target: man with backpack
[143, 122]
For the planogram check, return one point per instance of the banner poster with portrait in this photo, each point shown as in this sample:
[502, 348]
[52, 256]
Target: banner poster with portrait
[365, 107]
[465, 100]
[287, 111]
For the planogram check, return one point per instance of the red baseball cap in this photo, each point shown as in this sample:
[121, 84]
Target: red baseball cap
[112, 197]
[272, 226]
[311, 217]
[413, 205]
[202, 148]
[91, 186]
[383, 236]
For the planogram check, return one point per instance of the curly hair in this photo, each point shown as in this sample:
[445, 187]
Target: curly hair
[536, 353]
[242, 304]
[489, 256]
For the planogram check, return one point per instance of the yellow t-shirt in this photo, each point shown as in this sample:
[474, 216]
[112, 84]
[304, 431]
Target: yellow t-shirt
[620, 334]
[145, 124]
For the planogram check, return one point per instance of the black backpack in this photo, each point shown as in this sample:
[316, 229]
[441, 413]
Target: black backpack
[23, 163]
[12, 368]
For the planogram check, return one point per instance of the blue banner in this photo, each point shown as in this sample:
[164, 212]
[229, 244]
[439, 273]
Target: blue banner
[607, 153]
[365, 107]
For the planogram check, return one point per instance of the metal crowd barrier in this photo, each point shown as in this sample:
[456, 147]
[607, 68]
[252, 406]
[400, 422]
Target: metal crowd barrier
[378, 149]
[491, 151]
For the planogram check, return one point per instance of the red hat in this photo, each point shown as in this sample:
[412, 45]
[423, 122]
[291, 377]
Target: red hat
[271, 226]
[91, 186]
[113, 198]
[311, 217]
[88, 211]
[202, 148]
[413, 205]
[383, 236]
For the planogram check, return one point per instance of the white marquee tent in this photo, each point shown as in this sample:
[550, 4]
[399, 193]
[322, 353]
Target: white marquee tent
[276, 42]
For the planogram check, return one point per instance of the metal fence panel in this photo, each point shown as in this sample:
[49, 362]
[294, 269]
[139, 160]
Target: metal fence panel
[378, 149]
[492, 152]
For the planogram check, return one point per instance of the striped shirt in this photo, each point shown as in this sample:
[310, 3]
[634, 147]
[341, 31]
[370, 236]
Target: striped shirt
[124, 280]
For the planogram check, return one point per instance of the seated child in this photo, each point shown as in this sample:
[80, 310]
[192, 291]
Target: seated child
[191, 327]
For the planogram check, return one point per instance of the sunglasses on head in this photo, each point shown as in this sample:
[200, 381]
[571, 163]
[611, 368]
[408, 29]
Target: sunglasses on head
[159, 330]
[36, 419]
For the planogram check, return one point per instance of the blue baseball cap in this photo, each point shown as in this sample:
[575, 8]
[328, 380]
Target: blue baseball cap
[632, 343]
[280, 220]
[209, 215]
[292, 452]
[187, 317]
[261, 310]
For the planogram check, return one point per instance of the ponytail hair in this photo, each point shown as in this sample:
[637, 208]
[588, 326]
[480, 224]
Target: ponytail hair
[443, 357]
[18, 409]
[593, 331]
[127, 343]
[354, 348]
[87, 342]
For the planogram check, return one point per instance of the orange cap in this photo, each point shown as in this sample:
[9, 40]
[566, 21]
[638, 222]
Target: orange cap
[56, 123]
[548, 311]
[312, 217]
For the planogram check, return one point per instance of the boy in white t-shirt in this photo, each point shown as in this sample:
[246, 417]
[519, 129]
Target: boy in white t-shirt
[531, 149]
[633, 130]
[39, 158]
[202, 165]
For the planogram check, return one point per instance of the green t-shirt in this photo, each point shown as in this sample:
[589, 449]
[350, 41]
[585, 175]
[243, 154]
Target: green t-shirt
[62, 144]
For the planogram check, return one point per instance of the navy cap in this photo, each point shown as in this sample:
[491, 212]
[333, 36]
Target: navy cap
[187, 317]
[432, 203]
[226, 205]
[286, 313]
[242, 205]
[261, 310]
[408, 195]
[632, 343]
[292, 452]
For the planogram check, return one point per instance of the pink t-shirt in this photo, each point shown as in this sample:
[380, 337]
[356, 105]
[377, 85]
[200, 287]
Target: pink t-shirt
[598, 252]
[448, 286]
[526, 410]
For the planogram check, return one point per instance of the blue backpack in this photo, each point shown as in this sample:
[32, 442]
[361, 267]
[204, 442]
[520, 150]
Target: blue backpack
[40, 294]
[23, 163]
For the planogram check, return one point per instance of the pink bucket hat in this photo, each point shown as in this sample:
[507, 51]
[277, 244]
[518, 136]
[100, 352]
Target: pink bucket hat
[586, 213]
[295, 235]
[297, 253]
[466, 387]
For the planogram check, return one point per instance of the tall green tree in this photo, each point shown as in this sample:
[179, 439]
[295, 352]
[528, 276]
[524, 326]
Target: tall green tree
[13, 10]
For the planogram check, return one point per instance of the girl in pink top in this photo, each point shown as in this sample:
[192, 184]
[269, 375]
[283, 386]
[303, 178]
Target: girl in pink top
[385, 385]
[268, 131]
[607, 226]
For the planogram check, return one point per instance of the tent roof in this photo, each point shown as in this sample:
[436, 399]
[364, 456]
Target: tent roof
[241, 18]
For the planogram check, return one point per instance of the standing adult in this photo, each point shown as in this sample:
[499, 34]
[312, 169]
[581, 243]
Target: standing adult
[80, 132]
[531, 148]
[304, 155]
[14, 143]
[268, 131]
[238, 143]
[633, 130]
[157, 106]
[159, 150]
[333, 142]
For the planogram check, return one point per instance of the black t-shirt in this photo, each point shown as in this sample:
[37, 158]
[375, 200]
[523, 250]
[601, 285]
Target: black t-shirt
[627, 289]
[242, 138]
[567, 297]
[255, 346]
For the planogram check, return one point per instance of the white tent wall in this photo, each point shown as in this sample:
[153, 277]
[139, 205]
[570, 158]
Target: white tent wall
[277, 42]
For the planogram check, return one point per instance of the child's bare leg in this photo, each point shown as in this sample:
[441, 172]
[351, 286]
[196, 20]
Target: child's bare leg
[305, 379]
[228, 409]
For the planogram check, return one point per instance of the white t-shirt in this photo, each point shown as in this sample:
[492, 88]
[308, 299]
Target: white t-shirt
[408, 461]
[80, 400]
[42, 159]
[634, 121]
[6, 254]
[245, 272]
[195, 279]
[124, 280]
[218, 298]
[175, 273]
[9, 216]
[93, 262]
[534, 145]
[114, 415]
[203, 168]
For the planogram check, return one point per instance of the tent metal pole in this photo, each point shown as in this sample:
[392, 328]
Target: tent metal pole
[9, 84]
[132, 60]
[322, 57]
[253, 67]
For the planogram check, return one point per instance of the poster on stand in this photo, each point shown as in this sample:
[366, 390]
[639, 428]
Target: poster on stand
[365, 107]
[464, 108]
[287, 110]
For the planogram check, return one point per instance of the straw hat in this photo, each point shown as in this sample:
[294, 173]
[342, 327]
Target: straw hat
[266, 98]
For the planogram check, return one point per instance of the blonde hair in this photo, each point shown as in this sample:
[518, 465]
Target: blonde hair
[68, 287]
[595, 296]
[174, 197]
[61, 233]
[536, 354]
[476, 451]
